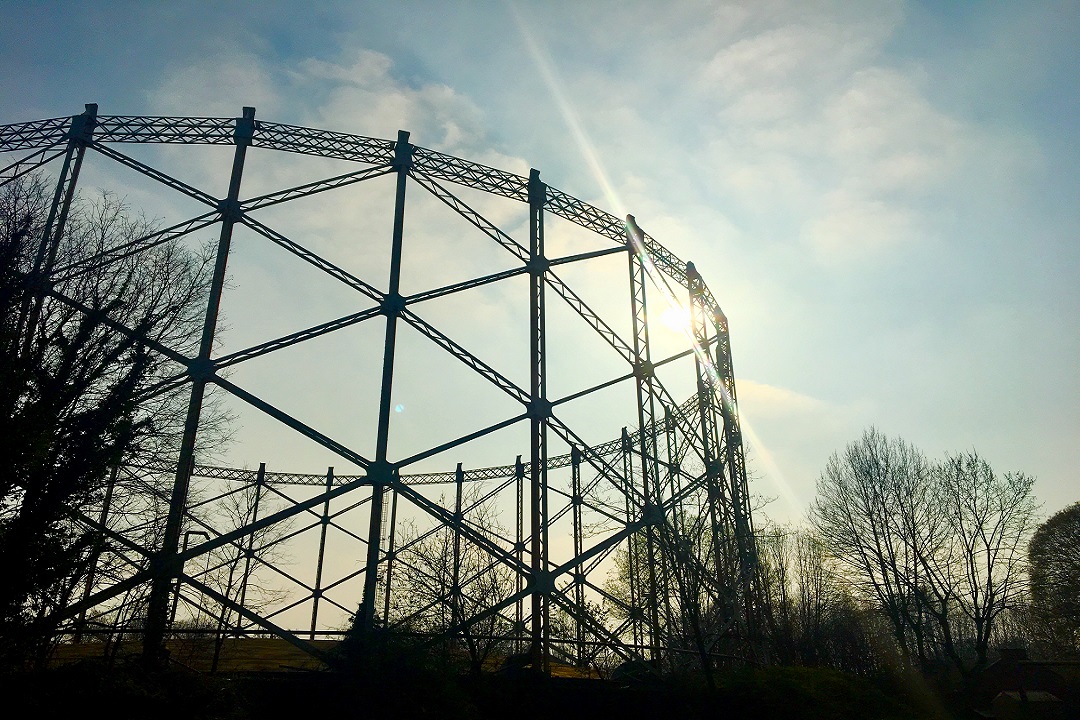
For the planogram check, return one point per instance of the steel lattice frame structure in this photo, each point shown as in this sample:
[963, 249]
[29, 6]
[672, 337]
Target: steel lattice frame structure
[670, 494]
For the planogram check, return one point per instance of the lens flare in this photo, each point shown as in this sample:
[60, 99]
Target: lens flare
[676, 319]
[675, 309]
[547, 71]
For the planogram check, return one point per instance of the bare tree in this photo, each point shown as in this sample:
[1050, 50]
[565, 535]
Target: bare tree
[874, 515]
[234, 569]
[688, 610]
[73, 400]
[979, 573]
[569, 630]
[442, 579]
[812, 619]
[775, 574]
[937, 548]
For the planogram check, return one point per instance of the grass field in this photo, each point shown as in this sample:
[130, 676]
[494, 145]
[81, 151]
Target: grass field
[267, 679]
[238, 655]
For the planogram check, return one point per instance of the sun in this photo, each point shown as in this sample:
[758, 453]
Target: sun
[676, 319]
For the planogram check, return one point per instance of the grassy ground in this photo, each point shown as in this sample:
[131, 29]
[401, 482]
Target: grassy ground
[237, 655]
[90, 688]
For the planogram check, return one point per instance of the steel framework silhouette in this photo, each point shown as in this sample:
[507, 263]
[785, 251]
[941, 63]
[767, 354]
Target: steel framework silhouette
[528, 547]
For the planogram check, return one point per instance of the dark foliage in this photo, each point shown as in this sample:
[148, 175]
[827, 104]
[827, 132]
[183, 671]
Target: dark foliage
[404, 675]
[129, 691]
[71, 389]
[123, 692]
[1054, 554]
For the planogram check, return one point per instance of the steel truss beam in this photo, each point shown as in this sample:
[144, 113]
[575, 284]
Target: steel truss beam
[669, 496]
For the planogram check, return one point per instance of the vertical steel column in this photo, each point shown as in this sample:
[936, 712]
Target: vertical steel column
[79, 135]
[631, 543]
[316, 592]
[381, 472]
[390, 558]
[455, 579]
[671, 439]
[714, 472]
[201, 370]
[579, 576]
[679, 550]
[643, 375]
[746, 545]
[249, 551]
[539, 412]
[95, 551]
[688, 578]
[519, 551]
[176, 585]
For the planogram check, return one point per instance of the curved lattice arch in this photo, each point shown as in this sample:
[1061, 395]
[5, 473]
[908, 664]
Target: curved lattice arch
[668, 495]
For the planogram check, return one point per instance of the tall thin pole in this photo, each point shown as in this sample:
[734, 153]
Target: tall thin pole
[164, 562]
[249, 551]
[99, 544]
[390, 558]
[316, 592]
[455, 580]
[380, 472]
[519, 551]
[643, 373]
[709, 439]
[736, 461]
[79, 135]
[631, 544]
[579, 587]
[539, 412]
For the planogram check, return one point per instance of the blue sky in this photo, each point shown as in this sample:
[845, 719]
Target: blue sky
[882, 196]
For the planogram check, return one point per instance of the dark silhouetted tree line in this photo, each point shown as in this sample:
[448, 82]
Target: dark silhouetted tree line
[1054, 555]
[920, 564]
[937, 547]
[73, 406]
[905, 562]
[441, 578]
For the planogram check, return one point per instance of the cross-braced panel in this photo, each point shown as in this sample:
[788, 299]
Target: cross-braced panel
[524, 319]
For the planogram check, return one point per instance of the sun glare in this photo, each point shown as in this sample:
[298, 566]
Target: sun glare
[676, 319]
[547, 71]
[675, 316]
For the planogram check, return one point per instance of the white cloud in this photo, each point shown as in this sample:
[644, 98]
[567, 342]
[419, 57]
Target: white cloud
[789, 437]
[216, 84]
[884, 135]
[358, 94]
[362, 94]
[366, 68]
[851, 228]
[812, 133]
[771, 401]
